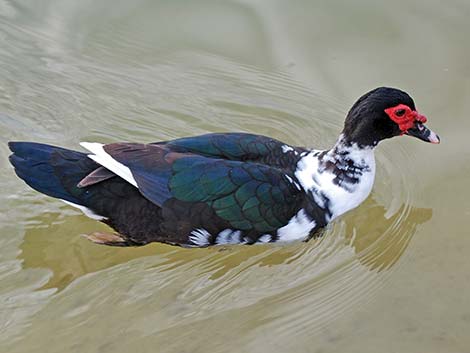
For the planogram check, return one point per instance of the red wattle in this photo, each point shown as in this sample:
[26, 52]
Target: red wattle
[408, 119]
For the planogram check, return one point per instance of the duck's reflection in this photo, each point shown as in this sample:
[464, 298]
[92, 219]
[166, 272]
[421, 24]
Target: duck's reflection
[57, 244]
[379, 241]
[54, 242]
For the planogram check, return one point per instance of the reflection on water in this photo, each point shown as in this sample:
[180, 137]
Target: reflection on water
[376, 241]
[379, 241]
[55, 244]
[290, 290]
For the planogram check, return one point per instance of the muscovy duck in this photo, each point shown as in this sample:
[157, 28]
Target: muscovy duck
[221, 188]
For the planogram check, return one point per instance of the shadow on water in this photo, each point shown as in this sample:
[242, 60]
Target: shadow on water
[53, 241]
[378, 240]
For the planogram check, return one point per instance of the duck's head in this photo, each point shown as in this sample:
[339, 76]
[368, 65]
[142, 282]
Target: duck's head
[384, 113]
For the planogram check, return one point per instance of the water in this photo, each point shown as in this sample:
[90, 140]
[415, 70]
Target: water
[392, 275]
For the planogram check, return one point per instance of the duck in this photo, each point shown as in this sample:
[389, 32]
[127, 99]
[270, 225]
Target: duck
[221, 188]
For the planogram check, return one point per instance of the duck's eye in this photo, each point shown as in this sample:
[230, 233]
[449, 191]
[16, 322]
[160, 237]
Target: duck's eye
[400, 112]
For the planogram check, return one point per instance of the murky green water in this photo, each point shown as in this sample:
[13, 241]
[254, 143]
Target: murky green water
[390, 276]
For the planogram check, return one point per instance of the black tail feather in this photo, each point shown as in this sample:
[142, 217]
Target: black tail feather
[39, 166]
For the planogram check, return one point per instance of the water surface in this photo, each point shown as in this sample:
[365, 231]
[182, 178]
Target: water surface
[391, 275]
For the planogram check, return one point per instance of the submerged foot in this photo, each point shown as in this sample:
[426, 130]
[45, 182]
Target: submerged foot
[106, 238]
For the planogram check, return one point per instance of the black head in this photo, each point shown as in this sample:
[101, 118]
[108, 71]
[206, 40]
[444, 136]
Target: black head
[384, 113]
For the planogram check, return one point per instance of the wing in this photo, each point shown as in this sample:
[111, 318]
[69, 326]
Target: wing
[147, 167]
[238, 147]
[250, 196]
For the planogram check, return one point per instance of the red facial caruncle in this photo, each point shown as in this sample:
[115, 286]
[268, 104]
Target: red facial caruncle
[404, 117]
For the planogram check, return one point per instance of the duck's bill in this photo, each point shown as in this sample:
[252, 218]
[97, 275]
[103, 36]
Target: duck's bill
[423, 133]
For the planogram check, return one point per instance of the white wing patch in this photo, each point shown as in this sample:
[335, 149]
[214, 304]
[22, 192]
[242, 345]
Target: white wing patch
[298, 228]
[293, 182]
[99, 155]
[199, 237]
[228, 236]
[265, 238]
[286, 148]
[86, 211]
[307, 167]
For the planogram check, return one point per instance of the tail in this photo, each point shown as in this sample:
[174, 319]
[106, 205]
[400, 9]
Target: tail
[54, 171]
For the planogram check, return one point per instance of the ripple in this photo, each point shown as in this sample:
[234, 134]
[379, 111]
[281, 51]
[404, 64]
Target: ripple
[290, 290]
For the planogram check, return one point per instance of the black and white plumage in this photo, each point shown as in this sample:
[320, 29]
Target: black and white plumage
[221, 188]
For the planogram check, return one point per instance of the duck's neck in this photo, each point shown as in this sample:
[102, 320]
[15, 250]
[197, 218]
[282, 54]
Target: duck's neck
[338, 179]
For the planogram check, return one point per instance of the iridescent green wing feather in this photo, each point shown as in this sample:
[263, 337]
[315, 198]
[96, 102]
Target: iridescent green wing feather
[249, 196]
[232, 146]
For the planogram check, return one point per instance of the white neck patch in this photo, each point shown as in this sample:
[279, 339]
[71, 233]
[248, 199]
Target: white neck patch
[316, 179]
